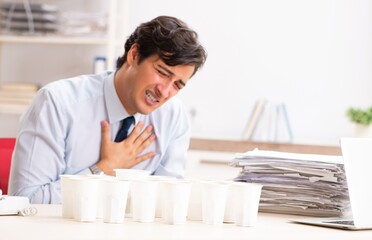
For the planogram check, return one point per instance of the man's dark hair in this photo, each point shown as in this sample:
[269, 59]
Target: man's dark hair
[168, 37]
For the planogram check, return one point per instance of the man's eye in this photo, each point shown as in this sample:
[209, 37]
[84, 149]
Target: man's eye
[161, 73]
[178, 86]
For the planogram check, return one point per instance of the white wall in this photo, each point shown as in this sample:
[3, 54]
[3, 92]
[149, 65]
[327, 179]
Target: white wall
[314, 55]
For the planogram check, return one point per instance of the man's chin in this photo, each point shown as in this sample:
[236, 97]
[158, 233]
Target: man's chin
[147, 110]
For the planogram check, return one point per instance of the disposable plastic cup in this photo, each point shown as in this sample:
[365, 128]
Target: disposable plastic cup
[130, 175]
[85, 199]
[115, 193]
[247, 199]
[229, 216]
[194, 212]
[67, 189]
[144, 196]
[214, 201]
[101, 179]
[160, 196]
[175, 202]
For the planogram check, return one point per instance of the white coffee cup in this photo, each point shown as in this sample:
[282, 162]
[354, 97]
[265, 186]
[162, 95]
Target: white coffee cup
[115, 193]
[159, 199]
[194, 212]
[229, 216]
[175, 202]
[247, 199]
[130, 175]
[143, 200]
[67, 193]
[101, 179]
[85, 199]
[213, 201]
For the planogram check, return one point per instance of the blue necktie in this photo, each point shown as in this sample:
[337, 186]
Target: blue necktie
[123, 131]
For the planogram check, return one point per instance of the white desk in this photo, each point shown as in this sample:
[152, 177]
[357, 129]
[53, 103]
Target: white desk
[48, 224]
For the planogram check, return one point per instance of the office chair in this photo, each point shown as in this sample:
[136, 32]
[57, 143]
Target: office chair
[6, 151]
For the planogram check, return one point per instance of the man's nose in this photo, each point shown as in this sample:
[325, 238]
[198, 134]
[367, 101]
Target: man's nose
[165, 89]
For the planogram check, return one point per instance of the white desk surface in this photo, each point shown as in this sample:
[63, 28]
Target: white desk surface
[48, 224]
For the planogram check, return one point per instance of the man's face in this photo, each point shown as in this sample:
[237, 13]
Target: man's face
[146, 86]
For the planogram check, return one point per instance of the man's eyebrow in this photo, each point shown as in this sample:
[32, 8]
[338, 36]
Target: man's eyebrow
[182, 82]
[165, 69]
[171, 73]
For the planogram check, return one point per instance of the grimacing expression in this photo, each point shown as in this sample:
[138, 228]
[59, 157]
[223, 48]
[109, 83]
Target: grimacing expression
[151, 83]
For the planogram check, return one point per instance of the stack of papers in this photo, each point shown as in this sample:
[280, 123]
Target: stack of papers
[301, 184]
[83, 23]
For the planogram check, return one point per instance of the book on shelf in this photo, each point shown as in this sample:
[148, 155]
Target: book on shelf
[253, 119]
[19, 86]
[15, 100]
[12, 108]
[265, 127]
[283, 130]
[27, 16]
[273, 124]
[286, 121]
[34, 7]
[25, 26]
[14, 94]
[36, 17]
[15, 97]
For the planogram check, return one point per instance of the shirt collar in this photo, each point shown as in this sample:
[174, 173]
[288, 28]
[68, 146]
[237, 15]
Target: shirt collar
[115, 109]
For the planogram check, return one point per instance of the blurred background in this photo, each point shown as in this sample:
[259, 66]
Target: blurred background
[311, 58]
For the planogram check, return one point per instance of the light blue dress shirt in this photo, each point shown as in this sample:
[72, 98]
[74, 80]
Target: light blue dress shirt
[60, 133]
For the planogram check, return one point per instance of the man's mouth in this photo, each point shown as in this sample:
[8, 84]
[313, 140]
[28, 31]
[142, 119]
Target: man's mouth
[151, 97]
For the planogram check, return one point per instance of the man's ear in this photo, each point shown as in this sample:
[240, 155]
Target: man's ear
[133, 55]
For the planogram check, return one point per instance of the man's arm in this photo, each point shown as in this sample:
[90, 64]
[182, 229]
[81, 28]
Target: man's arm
[38, 159]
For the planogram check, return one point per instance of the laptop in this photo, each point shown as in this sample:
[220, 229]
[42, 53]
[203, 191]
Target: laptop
[357, 156]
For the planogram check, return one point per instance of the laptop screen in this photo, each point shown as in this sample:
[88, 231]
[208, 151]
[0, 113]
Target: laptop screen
[357, 155]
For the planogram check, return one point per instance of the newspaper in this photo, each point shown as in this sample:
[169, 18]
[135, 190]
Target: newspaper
[301, 184]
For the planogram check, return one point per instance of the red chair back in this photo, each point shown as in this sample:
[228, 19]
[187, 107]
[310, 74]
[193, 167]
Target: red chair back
[6, 151]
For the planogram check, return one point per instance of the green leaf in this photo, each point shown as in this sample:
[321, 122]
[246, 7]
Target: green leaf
[360, 116]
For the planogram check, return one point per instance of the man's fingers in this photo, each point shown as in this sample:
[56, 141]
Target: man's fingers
[136, 131]
[145, 143]
[137, 137]
[105, 131]
[143, 157]
[143, 136]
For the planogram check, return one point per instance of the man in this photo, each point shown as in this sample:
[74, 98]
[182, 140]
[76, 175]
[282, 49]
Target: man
[71, 126]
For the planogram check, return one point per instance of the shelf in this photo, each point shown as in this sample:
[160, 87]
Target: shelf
[105, 44]
[55, 40]
[244, 146]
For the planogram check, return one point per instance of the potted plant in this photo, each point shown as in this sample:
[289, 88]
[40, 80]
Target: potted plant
[363, 120]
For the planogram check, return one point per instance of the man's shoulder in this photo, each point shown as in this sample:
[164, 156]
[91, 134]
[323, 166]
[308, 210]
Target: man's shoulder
[73, 82]
[78, 87]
